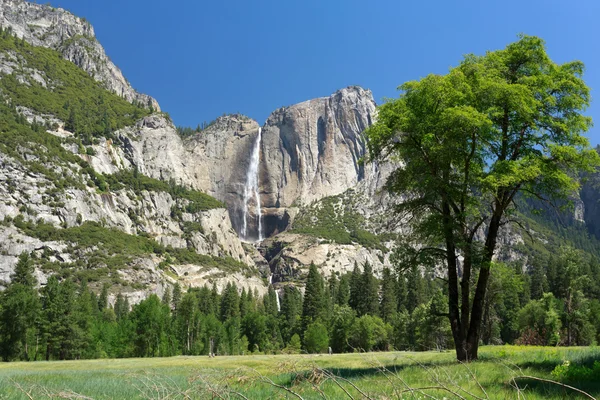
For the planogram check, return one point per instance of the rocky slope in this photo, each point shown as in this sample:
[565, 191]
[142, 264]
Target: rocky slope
[73, 37]
[70, 193]
[308, 151]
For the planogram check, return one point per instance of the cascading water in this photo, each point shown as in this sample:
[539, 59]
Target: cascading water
[278, 303]
[276, 294]
[251, 190]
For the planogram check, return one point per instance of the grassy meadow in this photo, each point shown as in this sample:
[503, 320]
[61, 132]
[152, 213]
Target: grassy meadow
[367, 375]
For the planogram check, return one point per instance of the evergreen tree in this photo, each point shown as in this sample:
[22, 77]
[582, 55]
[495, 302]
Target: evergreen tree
[176, 296]
[230, 302]
[414, 288]
[389, 302]
[539, 284]
[369, 293]
[313, 307]
[205, 301]
[121, 307]
[166, 299]
[343, 293]
[23, 273]
[355, 284]
[19, 311]
[334, 286]
[291, 311]
[216, 299]
[243, 303]
[103, 299]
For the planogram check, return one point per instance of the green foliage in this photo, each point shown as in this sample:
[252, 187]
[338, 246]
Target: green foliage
[131, 179]
[99, 247]
[370, 333]
[71, 95]
[294, 346]
[186, 131]
[540, 322]
[316, 338]
[506, 123]
[19, 312]
[314, 305]
[333, 218]
[568, 372]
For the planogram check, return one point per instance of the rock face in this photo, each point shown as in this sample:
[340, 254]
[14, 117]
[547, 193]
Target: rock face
[34, 197]
[308, 151]
[590, 196]
[313, 149]
[73, 37]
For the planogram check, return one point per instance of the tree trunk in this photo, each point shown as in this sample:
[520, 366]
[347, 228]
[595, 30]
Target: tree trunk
[453, 309]
[482, 282]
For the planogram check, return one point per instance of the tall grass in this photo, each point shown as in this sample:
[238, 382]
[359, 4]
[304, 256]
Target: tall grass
[368, 375]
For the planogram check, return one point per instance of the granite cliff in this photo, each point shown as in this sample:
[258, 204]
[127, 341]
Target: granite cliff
[178, 201]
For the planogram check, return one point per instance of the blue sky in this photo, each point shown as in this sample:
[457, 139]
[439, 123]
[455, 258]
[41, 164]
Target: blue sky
[201, 59]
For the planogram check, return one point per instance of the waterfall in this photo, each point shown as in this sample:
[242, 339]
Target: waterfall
[276, 293]
[251, 190]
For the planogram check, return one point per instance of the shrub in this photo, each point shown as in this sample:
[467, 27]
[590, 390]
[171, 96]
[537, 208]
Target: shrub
[316, 338]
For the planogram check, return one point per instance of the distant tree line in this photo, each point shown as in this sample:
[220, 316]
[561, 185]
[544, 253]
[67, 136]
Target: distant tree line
[557, 303]
[187, 131]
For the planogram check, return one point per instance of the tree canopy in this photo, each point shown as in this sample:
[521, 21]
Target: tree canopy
[500, 125]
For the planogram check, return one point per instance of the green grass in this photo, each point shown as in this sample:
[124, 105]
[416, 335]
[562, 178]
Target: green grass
[132, 378]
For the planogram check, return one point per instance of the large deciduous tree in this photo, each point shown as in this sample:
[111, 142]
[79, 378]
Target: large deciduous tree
[469, 142]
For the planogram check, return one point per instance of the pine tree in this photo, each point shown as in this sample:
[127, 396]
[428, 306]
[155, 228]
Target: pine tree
[230, 302]
[19, 311]
[205, 301]
[414, 291]
[369, 296]
[389, 302]
[355, 284]
[291, 311]
[401, 292]
[23, 273]
[103, 299]
[121, 308]
[343, 293]
[313, 307]
[216, 299]
[176, 296]
[243, 303]
[334, 287]
[166, 299]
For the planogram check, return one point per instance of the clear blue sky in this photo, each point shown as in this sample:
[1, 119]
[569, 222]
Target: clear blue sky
[201, 59]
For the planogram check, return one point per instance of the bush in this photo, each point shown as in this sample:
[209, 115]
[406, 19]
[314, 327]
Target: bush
[568, 372]
[316, 339]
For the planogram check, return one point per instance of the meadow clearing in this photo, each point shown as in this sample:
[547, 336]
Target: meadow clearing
[359, 375]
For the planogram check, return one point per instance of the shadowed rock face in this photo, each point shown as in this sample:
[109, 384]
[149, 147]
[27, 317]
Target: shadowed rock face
[73, 37]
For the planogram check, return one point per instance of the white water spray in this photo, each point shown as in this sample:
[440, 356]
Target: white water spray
[276, 293]
[251, 189]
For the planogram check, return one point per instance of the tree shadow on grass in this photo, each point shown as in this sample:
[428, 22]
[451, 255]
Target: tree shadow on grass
[556, 390]
[291, 378]
[542, 366]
